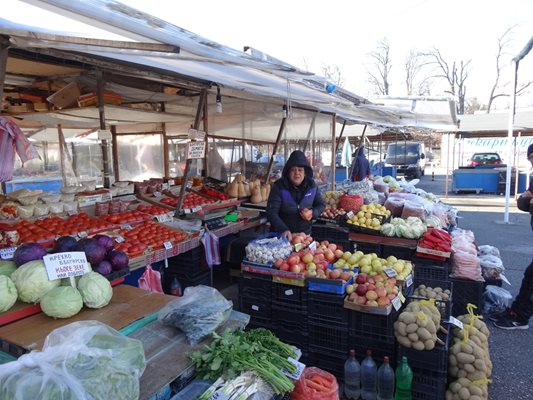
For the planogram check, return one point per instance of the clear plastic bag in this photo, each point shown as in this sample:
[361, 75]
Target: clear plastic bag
[304, 391]
[200, 311]
[487, 249]
[496, 299]
[84, 360]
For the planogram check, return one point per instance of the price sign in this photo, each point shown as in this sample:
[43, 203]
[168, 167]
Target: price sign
[396, 303]
[402, 297]
[312, 246]
[297, 246]
[219, 396]
[157, 194]
[165, 217]
[289, 292]
[7, 253]
[350, 214]
[65, 265]
[255, 308]
[187, 210]
[119, 239]
[195, 150]
[196, 209]
[299, 369]
[196, 134]
[409, 280]
[168, 245]
[82, 234]
[456, 322]
[126, 227]
[390, 272]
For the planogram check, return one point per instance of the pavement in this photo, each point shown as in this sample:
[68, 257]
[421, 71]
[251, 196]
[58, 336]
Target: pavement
[511, 351]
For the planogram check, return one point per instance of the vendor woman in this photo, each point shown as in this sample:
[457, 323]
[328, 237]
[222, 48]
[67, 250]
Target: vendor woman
[295, 200]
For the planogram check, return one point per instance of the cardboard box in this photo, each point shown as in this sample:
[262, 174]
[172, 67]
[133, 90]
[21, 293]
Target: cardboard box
[25, 107]
[91, 99]
[66, 96]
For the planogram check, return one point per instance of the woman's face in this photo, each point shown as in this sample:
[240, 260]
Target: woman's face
[297, 175]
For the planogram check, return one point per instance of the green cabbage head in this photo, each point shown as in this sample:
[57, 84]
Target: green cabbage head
[7, 267]
[62, 302]
[95, 290]
[8, 293]
[32, 281]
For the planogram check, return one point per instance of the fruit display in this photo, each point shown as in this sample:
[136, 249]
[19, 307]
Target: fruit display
[331, 198]
[126, 217]
[332, 212]
[372, 290]
[190, 200]
[371, 264]
[266, 250]
[370, 216]
[301, 238]
[436, 239]
[214, 193]
[148, 234]
[73, 224]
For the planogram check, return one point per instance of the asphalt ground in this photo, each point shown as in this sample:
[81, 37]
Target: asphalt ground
[511, 351]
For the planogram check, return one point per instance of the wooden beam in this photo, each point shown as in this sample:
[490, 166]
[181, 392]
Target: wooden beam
[275, 149]
[4, 49]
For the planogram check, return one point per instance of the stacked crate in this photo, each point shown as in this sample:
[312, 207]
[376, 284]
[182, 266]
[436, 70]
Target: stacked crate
[189, 268]
[255, 299]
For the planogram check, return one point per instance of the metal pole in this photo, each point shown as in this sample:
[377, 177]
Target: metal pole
[333, 155]
[311, 129]
[509, 144]
[104, 144]
[340, 138]
[280, 132]
[447, 167]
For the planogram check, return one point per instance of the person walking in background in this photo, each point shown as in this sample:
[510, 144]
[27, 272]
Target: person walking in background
[517, 317]
[361, 166]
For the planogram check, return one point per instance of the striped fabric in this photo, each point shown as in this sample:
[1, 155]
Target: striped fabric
[212, 248]
[12, 140]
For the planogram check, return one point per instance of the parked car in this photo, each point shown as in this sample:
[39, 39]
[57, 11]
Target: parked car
[478, 159]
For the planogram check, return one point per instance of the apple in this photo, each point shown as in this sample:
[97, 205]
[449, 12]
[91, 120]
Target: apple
[295, 268]
[307, 257]
[311, 266]
[311, 274]
[391, 296]
[324, 243]
[383, 301]
[353, 297]
[361, 289]
[350, 289]
[278, 262]
[345, 275]
[361, 278]
[361, 300]
[371, 295]
[306, 213]
[338, 253]
[346, 255]
[370, 286]
[284, 267]
[330, 256]
[332, 246]
[372, 303]
[381, 291]
[293, 260]
[371, 279]
[334, 274]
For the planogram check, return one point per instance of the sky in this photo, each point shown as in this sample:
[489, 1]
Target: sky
[315, 34]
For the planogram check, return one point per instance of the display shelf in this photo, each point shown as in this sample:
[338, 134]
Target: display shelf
[383, 240]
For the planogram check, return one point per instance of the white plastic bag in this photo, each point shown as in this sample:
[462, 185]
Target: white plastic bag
[84, 360]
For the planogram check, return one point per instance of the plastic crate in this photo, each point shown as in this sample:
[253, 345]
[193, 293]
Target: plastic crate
[379, 327]
[431, 270]
[444, 306]
[326, 338]
[464, 292]
[192, 256]
[328, 361]
[255, 286]
[289, 293]
[428, 385]
[283, 310]
[255, 307]
[332, 234]
[328, 308]
[403, 253]
[368, 248]
[435, 360]
[293, 332]
[333, 286]
[257, 321]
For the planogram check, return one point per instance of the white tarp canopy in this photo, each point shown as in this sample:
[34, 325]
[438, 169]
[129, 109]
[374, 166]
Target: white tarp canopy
[241, 77]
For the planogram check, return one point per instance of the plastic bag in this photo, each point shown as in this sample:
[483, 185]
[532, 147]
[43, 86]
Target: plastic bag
[496, 299]
[488, 250]
[413, 209]
[200, 311]
[303, 390]
[394, 205]
[84, 360]
[266, 250]
[466, 266]
[150, 280]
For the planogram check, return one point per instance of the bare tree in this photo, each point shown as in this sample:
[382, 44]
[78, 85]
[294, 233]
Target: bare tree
[473, 105]
[414, 64]
[382, 63]
[497, 89]
[454, 73]
[333, 74]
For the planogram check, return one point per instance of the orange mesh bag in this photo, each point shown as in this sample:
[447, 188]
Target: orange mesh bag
[315, 384]
[351, 202]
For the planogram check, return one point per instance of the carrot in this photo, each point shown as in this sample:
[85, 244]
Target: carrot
[321, 380]
[313, 385]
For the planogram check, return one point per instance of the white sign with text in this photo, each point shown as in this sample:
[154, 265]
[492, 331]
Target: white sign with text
[65, 265]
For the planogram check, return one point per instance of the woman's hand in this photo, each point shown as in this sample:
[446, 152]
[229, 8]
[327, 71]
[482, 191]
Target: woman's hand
[287, 235]
[306, 214]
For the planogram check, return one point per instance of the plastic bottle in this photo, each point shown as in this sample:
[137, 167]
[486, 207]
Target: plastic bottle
[175, 287]
[385, 381]
[352, 377]
[368, 377]
[404, 381]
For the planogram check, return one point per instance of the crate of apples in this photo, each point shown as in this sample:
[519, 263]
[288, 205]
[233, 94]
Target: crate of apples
[332, 212]
[372, 290]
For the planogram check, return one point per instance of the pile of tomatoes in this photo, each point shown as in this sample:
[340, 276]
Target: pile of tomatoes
[29, 232]
[214, 193]
[72, 225]
[126, 217]
[153, 210]
[190, 200]
[148, 235]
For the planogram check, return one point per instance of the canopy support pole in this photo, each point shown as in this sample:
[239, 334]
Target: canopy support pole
[340, 138]
[61, 138]
[333, 154]
[114, 144]
[104, 144]
[510, 144]
[280, 132]
[4, 49]
[311, 129]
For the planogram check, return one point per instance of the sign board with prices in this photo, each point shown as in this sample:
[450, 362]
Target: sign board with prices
[196, 134]
[66, 265]
[195, 150]
[7, 253]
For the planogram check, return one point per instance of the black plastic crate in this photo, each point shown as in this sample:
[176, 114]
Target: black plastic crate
[379, 327]
[368, 248]
[332, 234]
[328, 361]
[444, 306]
[255, 307]
[328, 308]
[379, 348]
[428, 385]
[184, 280]
[435, 360]
[288, 311]
[191, 257]
[292, 332]
[327, 337]
[464, 292]
[255, 286]
[289, 293]
[400, 252]
[432, 271]
[257, 321]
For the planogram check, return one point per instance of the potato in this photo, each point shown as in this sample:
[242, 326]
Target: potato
[464, 393]
[413, 337]
[399, 326]
[455, 386]
[464, 358]
[407, 317]
[466, 348]
[412, 327]
[475, 390]
[469, 368]
[418, 346]
[404, 341]
[452, 360]
[429, 344]
[480, 365]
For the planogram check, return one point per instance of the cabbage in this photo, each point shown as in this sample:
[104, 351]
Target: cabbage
[64, 244]
[94, 251]
[388, 230]
[8, 293]
[118, 259]
[104, 268]
[28, 252]
[31, 281]
[96, 291]
[7, 267]
[107, 242]
[62, 302]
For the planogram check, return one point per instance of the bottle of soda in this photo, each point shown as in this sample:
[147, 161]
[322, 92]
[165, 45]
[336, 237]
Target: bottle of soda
[368, 377]
[385, 381]
[352, 377]
[404, 381]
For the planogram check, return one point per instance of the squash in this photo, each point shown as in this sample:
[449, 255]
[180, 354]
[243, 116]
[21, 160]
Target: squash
[233, 190]
[240, 189]
[264, 195]
[256, 195]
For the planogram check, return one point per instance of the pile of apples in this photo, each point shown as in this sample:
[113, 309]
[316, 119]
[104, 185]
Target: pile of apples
[367, 216]
[332, 212]
[371, 264]
[301, 238]
[372, 291]
[313, 263]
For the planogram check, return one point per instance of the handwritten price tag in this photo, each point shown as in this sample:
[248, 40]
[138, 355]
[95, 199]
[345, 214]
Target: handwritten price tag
[390, 272]
[350, 214]
[312, 246]
[409, 281]
[126, 227]
[119, 239]
[396, 303]
[299, 369]
[168, 245]
[456, 322]
[7, 253]
[164, 217]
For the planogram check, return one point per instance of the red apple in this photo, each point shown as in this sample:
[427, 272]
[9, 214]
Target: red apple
[329, 255]
[361, 289]
[345, 275]
[361, 278]
[278, 262]
[332, 246]
[284, 267]
[307, 257]
[383, 301]
[295, 268]
[361, 300]
[293, 260]
[338, 253]
[353, 297]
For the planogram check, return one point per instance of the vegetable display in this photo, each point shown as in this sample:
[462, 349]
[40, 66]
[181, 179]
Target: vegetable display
[31, 281]
[257, 350]
[8, 293]
[7, 267]
[95, 290]
[240, 388]
[62, 302]
[28, 252]
[410, 228]
[265, 251]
